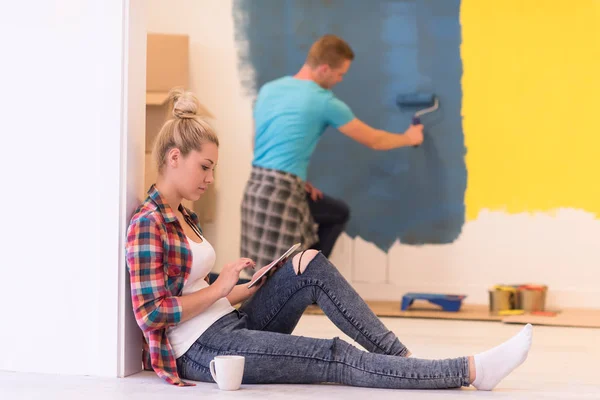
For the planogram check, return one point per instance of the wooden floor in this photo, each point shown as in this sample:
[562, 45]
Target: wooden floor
[563, 364]
[577, 318]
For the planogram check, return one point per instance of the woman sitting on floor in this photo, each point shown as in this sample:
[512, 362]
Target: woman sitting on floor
[188, 322]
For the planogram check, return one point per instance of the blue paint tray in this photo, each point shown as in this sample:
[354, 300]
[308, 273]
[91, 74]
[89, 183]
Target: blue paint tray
[448, 302]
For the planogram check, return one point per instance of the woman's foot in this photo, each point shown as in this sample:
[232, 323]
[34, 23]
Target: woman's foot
[495, 364]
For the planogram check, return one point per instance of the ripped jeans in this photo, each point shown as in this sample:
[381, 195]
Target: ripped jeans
[261, 332]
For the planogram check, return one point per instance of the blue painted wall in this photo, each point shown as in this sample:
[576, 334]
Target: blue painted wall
[414, 194]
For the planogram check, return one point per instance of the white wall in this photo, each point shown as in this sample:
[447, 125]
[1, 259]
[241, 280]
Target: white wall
[62, 79]
[133, 191]
[561, 250]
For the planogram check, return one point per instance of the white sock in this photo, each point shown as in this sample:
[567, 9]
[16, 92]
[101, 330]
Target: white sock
[495, 364]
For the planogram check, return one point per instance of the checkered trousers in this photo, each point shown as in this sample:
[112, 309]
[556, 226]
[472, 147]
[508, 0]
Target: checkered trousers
[275, 215]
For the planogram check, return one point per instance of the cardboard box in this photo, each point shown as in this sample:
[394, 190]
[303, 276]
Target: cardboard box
[167, 62]
[167, 67]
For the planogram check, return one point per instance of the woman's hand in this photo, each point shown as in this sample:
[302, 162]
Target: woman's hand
[254, 288]
[262, 281]
[230, 274]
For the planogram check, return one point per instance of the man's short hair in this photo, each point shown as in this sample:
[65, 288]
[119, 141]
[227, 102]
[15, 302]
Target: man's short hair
[330, 50]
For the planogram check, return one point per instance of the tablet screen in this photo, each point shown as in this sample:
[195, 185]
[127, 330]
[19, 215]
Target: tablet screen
[274, 263]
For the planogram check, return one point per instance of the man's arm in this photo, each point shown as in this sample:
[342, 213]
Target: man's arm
[253, 135]
[378, 139]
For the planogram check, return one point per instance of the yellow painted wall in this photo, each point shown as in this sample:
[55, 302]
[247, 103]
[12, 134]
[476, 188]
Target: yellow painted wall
[531, 104]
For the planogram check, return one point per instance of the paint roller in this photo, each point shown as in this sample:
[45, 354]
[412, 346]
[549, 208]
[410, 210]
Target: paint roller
[428, 102]
[425, 102]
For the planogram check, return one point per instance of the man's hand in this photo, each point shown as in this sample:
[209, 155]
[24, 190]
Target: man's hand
[414, 134]
[315, 194]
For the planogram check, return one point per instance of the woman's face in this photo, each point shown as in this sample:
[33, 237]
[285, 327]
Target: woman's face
[194, 172]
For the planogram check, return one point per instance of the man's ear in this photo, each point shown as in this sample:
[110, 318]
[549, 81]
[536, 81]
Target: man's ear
[323, 69]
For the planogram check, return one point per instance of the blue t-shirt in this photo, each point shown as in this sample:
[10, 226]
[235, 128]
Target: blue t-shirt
[290, 115]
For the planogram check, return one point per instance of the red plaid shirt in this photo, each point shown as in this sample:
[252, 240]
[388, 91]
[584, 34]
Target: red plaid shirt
[159, 262]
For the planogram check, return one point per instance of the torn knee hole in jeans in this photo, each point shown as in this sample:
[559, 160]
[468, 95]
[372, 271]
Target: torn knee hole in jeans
[301, 260]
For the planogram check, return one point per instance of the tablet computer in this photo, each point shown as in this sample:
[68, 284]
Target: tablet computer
[283, 258]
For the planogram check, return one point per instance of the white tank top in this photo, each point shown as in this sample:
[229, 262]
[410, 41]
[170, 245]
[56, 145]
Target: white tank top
[182, 336]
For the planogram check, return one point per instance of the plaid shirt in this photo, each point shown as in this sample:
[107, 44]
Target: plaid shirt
[275, 215]
[159, 262]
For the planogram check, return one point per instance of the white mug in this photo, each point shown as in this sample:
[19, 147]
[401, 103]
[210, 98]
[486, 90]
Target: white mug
[227, 371]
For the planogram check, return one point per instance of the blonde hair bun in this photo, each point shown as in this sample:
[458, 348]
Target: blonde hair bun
[185, 104]
[186, 131]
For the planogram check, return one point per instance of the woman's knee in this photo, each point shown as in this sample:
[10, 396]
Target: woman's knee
[301, 260]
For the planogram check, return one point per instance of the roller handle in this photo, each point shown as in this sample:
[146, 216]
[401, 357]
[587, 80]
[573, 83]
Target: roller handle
[416, 121]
